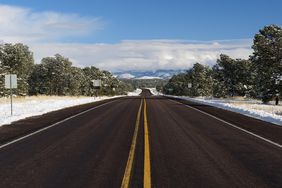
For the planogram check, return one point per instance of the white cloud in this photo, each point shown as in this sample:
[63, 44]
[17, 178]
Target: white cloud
[20, 24]
[45, 31]
[145, 55]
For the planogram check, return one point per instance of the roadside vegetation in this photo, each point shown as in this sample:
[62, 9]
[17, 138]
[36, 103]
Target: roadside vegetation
[258, 77]
[54, 75]
[145, 83]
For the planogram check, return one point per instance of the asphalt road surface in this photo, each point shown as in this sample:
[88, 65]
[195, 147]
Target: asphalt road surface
[144, 141]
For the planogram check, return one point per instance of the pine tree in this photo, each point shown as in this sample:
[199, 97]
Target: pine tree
[267, 59]
[37, 80]
[202, 81]
[234, 77]
[57, 72]
[17, 59]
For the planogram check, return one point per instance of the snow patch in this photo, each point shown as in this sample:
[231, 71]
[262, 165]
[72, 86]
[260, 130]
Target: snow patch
[34, 106]
[135, 93]
[154, 91]
[252, 108]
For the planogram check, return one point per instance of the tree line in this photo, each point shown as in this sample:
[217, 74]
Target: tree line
[54, 75]
[260, 76]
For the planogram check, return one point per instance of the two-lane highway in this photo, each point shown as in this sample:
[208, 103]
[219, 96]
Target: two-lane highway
[146, 141]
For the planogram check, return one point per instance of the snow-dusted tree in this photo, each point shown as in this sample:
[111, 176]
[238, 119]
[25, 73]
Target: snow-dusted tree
[199, 76]
[219, 87]
[56, 71]
[37, 80]
[91, 73]
[267, 59]
[232, 76]
[76, 79]
[17, 59]
[177, 84]
[202, 82]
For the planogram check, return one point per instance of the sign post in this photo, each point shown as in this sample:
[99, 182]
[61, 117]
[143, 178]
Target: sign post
[97, 84]
[11, 83]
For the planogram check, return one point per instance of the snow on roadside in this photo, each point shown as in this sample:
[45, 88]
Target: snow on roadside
[252, 108]
[34, 106]
[135, 93]
[154, 91]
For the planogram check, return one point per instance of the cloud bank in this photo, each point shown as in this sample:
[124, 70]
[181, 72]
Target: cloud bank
[146, 55]
[47, 32]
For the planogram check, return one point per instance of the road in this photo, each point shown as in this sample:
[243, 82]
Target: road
[144, 141]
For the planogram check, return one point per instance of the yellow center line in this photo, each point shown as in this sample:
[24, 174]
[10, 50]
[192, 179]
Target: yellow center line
[147, 163]
[128, 169]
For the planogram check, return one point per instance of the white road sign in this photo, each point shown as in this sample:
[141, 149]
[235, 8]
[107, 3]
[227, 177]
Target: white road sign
[97, 83]
[189, 85]
[11, 81]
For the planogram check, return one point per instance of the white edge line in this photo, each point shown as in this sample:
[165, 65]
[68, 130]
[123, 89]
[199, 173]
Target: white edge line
[54, 124]
[232, 125]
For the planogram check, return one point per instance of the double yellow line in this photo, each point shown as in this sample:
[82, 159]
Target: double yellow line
[147, 163]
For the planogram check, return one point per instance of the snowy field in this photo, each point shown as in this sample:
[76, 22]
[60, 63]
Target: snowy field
[24, 107]
[253, 108]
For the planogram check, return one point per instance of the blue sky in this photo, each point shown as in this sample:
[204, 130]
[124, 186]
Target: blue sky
[115, 23]
[164, 19]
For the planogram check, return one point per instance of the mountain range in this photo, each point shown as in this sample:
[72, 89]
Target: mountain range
[158, 74]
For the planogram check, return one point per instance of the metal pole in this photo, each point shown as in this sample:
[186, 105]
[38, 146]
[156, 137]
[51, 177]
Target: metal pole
[11, 92]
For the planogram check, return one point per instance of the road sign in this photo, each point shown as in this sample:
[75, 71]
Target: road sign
[189, 85]
[11, 81]
[97, 83]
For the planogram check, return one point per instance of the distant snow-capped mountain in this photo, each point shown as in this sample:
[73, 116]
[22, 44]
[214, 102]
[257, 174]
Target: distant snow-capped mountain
[158, 74]
[125, 76]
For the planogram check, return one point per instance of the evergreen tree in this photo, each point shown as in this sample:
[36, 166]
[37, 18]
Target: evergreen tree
[202, 82]
[233, 77]
[267, 59]
[37, 80]
[199, 76]
[17, 59]
[176, 85]
[91, 73]
[225, 72]
[76, 81]
[219, 87]
[57, 74]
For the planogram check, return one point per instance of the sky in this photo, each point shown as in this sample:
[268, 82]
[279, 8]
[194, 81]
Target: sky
[137, 35]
